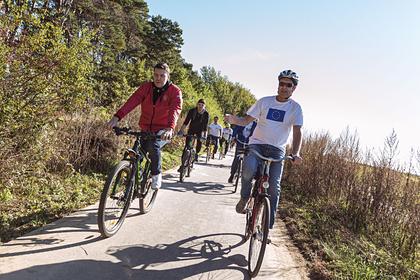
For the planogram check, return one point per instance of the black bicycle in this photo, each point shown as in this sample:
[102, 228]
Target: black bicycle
[240, 159]
[131, 178]
[187, 158]
[258, 215]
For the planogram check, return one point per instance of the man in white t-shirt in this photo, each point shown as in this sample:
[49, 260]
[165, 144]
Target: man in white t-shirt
[214, 134]
[226, 137]
[277, 116]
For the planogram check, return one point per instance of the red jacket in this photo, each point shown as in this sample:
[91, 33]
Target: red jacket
[154, 117]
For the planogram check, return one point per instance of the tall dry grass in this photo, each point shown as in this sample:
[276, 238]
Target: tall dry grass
[364, 192]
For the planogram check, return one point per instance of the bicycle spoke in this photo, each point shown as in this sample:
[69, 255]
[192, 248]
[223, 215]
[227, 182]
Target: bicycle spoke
[115, 199]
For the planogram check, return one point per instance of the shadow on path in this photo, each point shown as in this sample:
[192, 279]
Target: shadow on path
[163, 261]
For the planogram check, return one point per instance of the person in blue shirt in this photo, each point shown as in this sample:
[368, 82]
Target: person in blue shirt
[242, 134]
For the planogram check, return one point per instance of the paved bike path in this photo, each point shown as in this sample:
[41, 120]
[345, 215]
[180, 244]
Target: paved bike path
[192, 232]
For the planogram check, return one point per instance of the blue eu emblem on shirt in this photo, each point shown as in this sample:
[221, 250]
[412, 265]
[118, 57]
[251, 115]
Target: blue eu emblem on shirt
[276, 115]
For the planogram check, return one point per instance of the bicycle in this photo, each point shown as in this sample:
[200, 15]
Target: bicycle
[209, 153]
[129, 179]
[258, 215]
[240, 157]
[187, 158]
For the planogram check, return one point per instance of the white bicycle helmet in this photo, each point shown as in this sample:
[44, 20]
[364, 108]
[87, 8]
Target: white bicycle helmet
[291, 75]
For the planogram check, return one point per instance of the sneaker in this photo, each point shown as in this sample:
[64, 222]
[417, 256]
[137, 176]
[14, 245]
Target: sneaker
[241, 206]
[156, 181]
[230, 180]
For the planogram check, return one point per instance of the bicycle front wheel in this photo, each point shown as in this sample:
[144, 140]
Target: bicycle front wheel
[208, 154]
[115, 199]
[147, 196]
[190, 163]
[184, 165]
[258, 240]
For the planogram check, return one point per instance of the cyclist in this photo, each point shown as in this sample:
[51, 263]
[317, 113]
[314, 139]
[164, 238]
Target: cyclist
[197, 119]
[226, 137]
[214, 134]
[161, 103]
[277, 116]
[242, 133]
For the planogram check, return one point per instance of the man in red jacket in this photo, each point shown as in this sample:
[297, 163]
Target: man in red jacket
[161, 103]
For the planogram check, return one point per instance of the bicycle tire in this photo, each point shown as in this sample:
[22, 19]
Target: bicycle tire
[147, 197]
[182, 168]
[238, 174]
[208, 155]
[190, 163]
[259, 237]
[121, 195]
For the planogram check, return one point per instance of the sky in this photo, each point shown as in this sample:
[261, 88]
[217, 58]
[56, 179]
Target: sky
[358, 61]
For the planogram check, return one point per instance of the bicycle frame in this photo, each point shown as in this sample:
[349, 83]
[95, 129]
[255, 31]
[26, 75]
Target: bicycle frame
[261, 185]
[136, 155]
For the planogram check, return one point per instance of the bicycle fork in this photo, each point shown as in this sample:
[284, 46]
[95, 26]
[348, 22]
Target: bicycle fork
[256, 199]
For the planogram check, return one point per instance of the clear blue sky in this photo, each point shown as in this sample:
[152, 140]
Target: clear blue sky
[359, 61]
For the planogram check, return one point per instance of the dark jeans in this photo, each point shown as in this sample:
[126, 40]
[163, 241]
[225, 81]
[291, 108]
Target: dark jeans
[226, 143]
[215, 140]
[153, 147]
[189, 142]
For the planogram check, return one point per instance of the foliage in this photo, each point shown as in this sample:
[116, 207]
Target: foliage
[65, 66]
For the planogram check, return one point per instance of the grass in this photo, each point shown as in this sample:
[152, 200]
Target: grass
[39, 199]
[334, 251]
[44, 199]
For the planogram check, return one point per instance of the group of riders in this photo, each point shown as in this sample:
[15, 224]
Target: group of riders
[197, 121]
[265, 128]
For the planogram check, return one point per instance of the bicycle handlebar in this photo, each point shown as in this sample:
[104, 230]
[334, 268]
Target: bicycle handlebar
[140, 134]
[188, 135]
[240, 142]
[271, 159]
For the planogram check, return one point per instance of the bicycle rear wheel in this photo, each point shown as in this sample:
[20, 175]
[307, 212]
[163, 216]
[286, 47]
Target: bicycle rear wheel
[238, 174]
[258, 240]
[147, 196]
[115, 199]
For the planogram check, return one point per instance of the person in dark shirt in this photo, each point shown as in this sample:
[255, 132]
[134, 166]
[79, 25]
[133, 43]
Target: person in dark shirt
[240, 135]
[197, 120]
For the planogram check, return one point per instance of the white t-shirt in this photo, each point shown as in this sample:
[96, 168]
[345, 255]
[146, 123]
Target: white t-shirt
[215, 129]
[275, 121]
[227, 133]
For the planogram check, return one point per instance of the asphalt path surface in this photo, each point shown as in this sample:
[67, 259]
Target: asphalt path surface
[192, 232]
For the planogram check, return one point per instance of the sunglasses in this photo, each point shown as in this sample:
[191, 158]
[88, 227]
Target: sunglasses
[282, 84]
